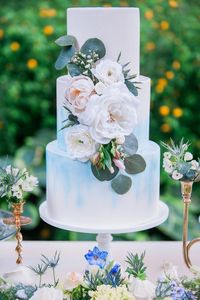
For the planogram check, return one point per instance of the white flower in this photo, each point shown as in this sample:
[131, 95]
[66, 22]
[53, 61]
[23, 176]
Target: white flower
[142, 289]
[167, 155]
[80, 144]
[111, 115]
[29, 183]
[176, 175]
[10, 170]
[188, 156]
[185, 147]
[47, 293]
[78, 93]
[16, 191]
[72, 280]
[167, 165]
[195, 270]
[21, 294]
[20, 275]
[100, 88]
[107, 292]
[120, 140]
[195, 165]
[169, 270]
[108, 72]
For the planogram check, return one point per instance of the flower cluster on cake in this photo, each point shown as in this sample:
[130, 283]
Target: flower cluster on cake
[100, 101]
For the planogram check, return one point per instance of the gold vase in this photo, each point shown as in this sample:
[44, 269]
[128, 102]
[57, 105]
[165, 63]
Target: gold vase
[18, 220]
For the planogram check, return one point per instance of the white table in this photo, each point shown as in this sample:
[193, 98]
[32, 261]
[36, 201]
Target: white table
[72, 254]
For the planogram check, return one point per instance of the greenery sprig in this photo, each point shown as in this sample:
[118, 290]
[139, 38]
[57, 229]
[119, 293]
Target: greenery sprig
[136, 266]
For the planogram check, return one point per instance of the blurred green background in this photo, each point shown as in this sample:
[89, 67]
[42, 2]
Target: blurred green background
[169, 55]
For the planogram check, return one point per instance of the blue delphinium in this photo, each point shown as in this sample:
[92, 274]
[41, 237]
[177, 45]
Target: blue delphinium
[115, 269]
[96, 257]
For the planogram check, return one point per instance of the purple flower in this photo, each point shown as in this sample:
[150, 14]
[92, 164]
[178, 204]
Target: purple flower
[115, 269]
[96, 257]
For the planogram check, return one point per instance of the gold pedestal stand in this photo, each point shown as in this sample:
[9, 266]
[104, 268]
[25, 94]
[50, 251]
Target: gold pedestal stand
[18, 221]
[186, 190]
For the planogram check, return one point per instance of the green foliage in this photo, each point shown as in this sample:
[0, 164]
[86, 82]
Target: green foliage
[136, 266]
[94, 45]
[121, 184]
[134, 164]
[130, 145]
[104, 174]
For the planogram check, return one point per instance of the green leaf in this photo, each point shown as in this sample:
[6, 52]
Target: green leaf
[134, 164]
[96, 45]
[104, 175]
[64, 57]
[130, 145]
[108, 160]
[122, 184]
[130, 85]
[66, 40]
[74, 70]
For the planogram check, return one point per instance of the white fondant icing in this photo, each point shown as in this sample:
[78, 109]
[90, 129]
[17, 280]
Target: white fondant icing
[118, 28]
[76, 196]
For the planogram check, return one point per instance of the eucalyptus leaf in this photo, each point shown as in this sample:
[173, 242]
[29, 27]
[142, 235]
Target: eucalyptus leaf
[134, 164]
[130, 85]
[130, 145]
[104, 175]
[74, 70]
[121, 184]
[94, 44]
[66, 40]
[64, 57]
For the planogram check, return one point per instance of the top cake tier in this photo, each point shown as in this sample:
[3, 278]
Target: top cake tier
[118, 28]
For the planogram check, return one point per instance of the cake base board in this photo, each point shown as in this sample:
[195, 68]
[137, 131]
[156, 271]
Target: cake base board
[162, 215]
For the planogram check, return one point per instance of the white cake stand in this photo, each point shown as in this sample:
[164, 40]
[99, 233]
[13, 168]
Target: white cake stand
[104, 236]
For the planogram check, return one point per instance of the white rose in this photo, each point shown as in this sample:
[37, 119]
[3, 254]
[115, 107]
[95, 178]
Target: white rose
[142, 289]
[20, 275]
[80, 144]
[111, 115]
[100, 88]
[47, 293]
[188, 156]
[108, 72]
[10, 170]
[72, 280]
[29, 183]
[78, 93]
[176, 175]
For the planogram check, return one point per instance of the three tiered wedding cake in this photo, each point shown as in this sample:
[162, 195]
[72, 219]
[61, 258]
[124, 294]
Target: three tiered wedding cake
[102, 170]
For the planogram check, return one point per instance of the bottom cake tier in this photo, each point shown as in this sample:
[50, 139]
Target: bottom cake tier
[75, 196]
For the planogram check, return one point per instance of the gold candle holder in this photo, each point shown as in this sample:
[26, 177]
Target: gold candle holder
[18, 221]
[186, 191]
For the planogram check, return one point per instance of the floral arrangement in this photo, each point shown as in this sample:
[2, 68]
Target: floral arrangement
[101, 112]
[15, 183]
[179, 163]
[102, 280]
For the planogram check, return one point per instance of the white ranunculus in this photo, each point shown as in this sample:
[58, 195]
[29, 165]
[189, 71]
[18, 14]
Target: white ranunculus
[11, 170]
[20, 275]
[108, 72]
[72, 280]
[78, 92]
[29, 183]
[111, 115]
[176, 175]
[188, 156]
[47, 293]
[142, 289]
[80, 144]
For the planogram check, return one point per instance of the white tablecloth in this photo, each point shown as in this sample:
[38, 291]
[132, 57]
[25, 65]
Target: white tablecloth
[72, 254]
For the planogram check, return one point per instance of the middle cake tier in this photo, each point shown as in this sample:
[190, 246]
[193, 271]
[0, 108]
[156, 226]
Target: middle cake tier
[76, 197]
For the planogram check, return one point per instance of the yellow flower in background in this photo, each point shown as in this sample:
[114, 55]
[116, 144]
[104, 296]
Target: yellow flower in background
[47, 12]
[150, 46]
[1, 33]
[173, 3]
[149, 14]
[165, 128]
[107, 5]
[169, 75]
[48, 30]
[14, 46]
[155, 25]
[176, 65]
[164, 25]
[32, 63]
[161, 84]
[164, 110]
[177, 112]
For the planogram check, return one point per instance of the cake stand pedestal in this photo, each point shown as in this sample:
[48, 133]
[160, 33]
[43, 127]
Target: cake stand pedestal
[104, 237]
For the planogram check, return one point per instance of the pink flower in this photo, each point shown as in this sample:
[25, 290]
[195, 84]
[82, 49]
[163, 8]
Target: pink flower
[118, 163]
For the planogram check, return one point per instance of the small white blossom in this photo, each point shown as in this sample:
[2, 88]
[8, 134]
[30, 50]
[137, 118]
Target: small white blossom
[29, 183]
[176, 175]
[195, 165]
[167, 155]
[120, 140]
[47, 293]
[10, 170]
[167, 165]
[188, 156]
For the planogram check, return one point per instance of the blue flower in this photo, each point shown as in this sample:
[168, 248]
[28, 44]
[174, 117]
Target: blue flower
[115, 269]
[96, 257]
